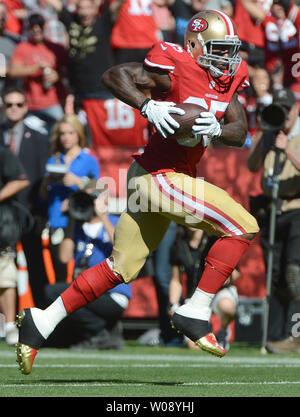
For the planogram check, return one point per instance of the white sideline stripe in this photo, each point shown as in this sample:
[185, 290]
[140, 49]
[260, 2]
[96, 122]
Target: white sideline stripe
[99, 384]
[242, 383]
[69, 385]
[202, 358]
[159, 365]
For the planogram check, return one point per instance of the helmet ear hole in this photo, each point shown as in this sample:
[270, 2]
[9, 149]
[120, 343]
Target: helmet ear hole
[193, 44]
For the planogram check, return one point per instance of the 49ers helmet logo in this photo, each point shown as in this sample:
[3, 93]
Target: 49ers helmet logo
[198, 25]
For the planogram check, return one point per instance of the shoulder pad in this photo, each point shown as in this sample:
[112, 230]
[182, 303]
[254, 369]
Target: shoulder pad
[164, 55]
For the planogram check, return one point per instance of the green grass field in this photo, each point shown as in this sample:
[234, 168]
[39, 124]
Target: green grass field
[151, 372]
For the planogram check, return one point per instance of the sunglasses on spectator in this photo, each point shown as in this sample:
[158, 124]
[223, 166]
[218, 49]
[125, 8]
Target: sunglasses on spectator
[8, 105]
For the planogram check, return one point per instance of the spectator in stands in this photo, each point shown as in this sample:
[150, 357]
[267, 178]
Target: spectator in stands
[41, 65]
[183, 12]
[54, 30]
[90, 52]
[248, 15]
[90, 55]
[7, 46]
[285, 268]
[183, 253]
[225, 6]
[12, 180]
[164, 19]
[158, 265]
[257, 96]
[134, 32]
[244, 53]
[162, 276]
[68, 169]
[98, 325]
[16, 14]
[282, 29]
[188, 255]
[224, 305]
[32, 149]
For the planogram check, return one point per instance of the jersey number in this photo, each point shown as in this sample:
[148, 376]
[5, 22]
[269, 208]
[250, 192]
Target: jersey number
[119, 115]
[214, 106]
[140, 7]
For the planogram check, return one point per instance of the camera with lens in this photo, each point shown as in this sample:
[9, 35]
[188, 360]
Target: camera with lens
[57, 171]
[273, 117]
[81, 205]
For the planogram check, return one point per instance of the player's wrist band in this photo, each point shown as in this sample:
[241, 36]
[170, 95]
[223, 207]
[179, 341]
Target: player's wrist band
[144, 106]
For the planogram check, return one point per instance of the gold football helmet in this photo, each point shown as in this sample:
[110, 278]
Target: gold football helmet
[211, 38]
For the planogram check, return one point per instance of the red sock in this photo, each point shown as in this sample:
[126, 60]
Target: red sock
[89, 285]
[221, 260]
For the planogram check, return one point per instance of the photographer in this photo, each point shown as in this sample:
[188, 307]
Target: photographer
[285, 142]
[88, 238]
[12, 180]
[189, 254]
[67, 170]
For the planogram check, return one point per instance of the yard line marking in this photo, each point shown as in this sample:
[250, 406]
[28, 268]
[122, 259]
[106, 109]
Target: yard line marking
[128, 384]
[53, 354]
[80, 385]
[241, 383]
[158, 365]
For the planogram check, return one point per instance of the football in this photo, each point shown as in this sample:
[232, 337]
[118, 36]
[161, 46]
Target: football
[187, 120]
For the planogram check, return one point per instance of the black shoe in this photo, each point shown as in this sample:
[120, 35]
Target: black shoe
[194, 329]
[199, 332]
[116, 335]
[30, 340]
[101, 341]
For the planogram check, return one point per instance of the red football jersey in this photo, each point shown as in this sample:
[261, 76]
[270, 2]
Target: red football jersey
[135, 27]
[114, 123]
[282, 43]
[249, 31]
[193, 84]
[272, 45]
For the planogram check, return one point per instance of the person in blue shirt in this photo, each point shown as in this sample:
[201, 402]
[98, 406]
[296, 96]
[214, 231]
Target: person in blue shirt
[68, 169]
[98, 325]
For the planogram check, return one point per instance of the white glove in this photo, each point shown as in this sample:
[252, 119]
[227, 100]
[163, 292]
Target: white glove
[207, 124]
[158, 113]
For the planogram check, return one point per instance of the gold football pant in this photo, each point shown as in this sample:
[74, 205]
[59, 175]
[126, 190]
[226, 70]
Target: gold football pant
[154, 200]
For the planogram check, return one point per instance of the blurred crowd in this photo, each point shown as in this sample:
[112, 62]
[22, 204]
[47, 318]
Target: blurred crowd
[58, 49]
[57, 119]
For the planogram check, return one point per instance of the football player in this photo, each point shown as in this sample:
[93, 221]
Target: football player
[162, 182]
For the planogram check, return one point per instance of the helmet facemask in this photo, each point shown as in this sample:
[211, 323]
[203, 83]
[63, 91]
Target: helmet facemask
[209, 59]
